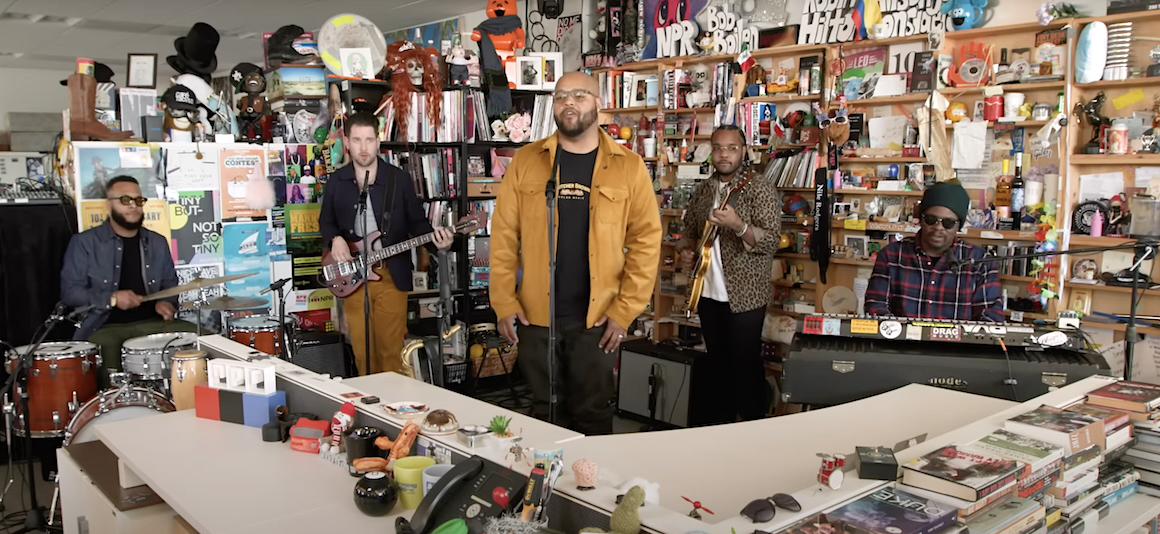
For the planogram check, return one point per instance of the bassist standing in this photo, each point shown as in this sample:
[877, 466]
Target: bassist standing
[736, 287]
[340, 222]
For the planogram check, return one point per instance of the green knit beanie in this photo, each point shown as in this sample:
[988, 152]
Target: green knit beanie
[948, 195]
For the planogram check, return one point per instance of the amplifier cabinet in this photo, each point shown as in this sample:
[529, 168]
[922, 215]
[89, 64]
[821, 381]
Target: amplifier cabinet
[829, 370]
[321, 352]
[681, 384]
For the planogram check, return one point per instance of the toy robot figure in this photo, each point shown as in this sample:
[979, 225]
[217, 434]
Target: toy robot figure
[247, 78]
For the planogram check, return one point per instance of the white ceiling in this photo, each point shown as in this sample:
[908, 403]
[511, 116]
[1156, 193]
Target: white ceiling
[108, 30]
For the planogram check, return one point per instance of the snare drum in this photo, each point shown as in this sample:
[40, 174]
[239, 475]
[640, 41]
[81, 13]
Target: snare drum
[63, 375]
[262, 332]
[189, 370]
[147, 357]
[118, 404]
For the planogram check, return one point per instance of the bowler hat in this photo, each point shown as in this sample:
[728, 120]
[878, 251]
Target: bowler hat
[101, 72]
[197, 51]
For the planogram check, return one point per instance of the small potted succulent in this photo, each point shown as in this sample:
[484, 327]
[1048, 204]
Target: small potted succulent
[505, 439]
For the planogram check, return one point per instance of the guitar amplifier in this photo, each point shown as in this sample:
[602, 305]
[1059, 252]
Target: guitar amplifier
[323, 353]
[666, 384]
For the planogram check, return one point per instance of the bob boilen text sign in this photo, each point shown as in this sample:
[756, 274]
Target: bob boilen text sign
[834, 21]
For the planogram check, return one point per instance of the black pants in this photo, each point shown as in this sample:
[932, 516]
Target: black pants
[584, 381]
[733, 341]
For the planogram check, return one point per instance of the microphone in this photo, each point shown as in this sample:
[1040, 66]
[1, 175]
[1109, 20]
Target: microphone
[362, 194]
[275, 286]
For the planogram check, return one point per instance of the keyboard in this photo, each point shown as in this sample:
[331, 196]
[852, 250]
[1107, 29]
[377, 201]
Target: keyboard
[13, 198]
[961, 332]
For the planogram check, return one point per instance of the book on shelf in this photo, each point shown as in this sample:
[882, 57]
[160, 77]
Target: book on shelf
[623, 89]
[893, 511]
[962, 474]
[1113, 419]
[1130, 396]
[1073, 431]
[433, 173]
[1034, 454]
[792, 168]
[1014, 516]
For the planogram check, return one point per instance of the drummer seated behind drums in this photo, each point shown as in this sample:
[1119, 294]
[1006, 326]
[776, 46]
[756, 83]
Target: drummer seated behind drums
[113, 267]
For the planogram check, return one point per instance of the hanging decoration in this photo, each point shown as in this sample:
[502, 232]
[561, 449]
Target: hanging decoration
[410, 64]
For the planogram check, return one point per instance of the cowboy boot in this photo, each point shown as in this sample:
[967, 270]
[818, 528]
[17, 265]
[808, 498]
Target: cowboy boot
[280, 47]
[83, 123]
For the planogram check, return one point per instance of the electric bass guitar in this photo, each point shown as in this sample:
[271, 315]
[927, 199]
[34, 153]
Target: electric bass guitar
[344, 278]
[704, 255]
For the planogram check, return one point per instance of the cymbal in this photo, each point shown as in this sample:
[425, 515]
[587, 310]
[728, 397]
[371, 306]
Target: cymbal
[230, 303]
[197, 283]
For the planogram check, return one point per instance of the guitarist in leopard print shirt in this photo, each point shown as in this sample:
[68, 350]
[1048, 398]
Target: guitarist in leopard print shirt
[736, 287]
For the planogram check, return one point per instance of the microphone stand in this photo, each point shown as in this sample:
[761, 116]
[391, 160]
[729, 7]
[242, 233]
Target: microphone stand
[284, 343]
[1145, 247]
[550, 196]
[34, 520]
[362, 208]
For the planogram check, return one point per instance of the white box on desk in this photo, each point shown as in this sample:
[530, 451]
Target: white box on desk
[249, 377]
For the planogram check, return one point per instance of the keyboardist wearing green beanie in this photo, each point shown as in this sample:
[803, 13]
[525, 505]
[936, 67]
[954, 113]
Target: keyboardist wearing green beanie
[925, 275]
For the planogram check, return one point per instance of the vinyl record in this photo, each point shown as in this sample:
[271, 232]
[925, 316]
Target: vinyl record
[350, 31]
[973, 70]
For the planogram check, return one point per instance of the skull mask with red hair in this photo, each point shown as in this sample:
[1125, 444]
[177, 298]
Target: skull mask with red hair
[399, 54]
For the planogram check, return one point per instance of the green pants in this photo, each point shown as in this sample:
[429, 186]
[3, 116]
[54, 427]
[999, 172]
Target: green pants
[110, 337]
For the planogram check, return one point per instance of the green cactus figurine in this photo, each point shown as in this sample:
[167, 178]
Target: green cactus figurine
[499, 426]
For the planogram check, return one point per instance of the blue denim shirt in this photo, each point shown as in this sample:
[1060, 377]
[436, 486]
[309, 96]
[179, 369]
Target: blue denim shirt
[92, 272]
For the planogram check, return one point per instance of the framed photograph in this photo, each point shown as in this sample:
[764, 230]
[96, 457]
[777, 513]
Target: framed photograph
[1081, 301]
[356, 63]
[530, 69]
[553, 68]
[842, 208]
[859, 244]
[142, 71]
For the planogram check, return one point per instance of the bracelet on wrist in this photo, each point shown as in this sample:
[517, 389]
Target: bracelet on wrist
[743, 230]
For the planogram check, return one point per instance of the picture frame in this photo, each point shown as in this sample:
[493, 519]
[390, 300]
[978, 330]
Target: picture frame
[142, 71]
[356, 63]
[859, 244]
[530, 71]
[553, 69]
[1081, 301]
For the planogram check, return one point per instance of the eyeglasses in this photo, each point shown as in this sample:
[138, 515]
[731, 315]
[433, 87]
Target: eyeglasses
[126, 200]
[731, 149]
[178, 113]
[836, 120]
[931, 220]
[575, 94]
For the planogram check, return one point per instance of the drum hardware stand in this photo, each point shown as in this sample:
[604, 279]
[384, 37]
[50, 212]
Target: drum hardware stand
[34, 520]
[284, 343]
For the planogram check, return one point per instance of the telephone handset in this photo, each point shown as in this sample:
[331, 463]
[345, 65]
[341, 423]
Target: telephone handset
[475, 489]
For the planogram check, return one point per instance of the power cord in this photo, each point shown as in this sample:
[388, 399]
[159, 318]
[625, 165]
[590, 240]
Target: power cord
[1010, 374]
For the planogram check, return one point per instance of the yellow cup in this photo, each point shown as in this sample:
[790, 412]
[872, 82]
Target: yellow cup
[409, 475]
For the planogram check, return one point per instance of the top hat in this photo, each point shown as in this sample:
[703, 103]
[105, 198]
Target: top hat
[101, 72]
[196, 52]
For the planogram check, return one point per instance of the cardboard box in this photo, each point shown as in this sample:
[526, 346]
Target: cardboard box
[290, 82]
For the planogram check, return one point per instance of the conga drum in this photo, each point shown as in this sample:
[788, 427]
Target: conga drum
[188, 370]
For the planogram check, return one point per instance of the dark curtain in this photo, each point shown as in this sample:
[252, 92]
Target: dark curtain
[32, 244]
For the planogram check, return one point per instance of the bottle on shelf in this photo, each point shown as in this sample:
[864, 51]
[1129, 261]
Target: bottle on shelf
[1018, 192]
[1003, 186]
[684, 149]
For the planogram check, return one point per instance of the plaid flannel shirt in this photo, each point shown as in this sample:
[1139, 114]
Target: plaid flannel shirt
[908, 283]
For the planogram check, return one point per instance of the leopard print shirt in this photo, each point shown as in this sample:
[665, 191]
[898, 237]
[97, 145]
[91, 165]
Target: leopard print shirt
[746, 270]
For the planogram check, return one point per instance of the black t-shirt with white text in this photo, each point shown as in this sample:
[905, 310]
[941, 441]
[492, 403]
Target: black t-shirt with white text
[573, 285]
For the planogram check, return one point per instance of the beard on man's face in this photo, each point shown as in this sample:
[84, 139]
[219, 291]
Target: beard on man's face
[125, 223]
[572, 125]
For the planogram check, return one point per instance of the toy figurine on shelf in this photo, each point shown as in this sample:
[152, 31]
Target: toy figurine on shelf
[413, 69]
[830, 474]
[247, 78]
[499, 35]
[965, 14]
[705, 43]
[180, 107]
[695, 514]
[459, 59]
[782, 84]
[1092, 111]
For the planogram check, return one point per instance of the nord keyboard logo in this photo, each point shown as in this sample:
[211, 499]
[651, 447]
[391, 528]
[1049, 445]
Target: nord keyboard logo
[995, 330]
[948, 382]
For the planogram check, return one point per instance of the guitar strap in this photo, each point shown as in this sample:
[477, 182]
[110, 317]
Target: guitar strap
[388, 203]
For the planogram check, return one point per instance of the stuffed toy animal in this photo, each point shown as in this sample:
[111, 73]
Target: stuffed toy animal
[965, 14]
[626, 517]
[499, 35]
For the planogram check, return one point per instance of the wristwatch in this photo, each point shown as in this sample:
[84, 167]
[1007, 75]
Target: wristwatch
[113, 300]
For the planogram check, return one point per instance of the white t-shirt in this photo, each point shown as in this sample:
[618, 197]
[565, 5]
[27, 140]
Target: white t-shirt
[714, 287]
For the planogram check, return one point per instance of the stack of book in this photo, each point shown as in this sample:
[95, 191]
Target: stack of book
[796, 170]
[1141, 403]
[1117, 479]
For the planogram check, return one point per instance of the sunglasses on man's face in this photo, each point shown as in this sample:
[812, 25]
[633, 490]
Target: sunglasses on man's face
[931, 220]
[126, 200]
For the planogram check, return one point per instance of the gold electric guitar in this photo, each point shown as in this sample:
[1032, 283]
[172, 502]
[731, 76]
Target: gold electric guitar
[705, 251]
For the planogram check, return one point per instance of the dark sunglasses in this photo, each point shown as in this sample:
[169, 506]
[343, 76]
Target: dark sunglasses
[931, 220]
[126, 200]
[763, 510]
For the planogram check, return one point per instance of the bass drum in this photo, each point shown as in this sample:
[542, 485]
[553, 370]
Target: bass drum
[119, 404]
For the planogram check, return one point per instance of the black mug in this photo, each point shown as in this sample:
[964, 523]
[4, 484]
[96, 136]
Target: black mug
[360, 443]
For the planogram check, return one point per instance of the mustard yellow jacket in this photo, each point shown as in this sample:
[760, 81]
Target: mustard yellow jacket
[624, 235]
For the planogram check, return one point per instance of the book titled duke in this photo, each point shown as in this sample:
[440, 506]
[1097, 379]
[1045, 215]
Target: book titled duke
[893, 511]
[962, 474]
